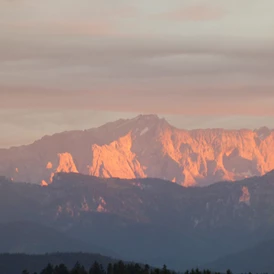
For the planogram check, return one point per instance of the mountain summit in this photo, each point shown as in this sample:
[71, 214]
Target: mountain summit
[145, 146]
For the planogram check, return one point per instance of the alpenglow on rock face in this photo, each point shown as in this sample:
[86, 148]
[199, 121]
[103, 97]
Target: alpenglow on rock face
[145, 146]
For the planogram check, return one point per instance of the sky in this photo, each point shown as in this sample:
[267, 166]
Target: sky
[76, 64]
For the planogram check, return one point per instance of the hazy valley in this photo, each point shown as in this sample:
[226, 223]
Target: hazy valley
[147, 220]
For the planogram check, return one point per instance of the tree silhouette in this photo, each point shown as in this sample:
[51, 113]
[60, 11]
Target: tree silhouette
[110, 269]
[119, 267]
[48, 269]
[78, 269]
[61, 269]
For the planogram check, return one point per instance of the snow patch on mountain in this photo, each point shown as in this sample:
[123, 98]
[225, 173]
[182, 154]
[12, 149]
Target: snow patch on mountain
[145, 130]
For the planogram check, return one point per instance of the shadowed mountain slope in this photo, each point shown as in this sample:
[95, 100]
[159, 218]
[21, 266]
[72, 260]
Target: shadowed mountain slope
[148, 220]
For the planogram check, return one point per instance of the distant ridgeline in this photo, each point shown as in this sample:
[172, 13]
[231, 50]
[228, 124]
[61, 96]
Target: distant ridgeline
[87, 263]
[114, 268]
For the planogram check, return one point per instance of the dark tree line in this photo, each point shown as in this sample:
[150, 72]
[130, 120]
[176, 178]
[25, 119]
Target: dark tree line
[115, 268]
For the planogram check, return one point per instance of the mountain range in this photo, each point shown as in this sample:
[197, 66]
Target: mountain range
[145, 146]
[128, 190]
[147, 220]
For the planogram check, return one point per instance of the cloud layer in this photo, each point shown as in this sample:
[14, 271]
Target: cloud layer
[225, 76]
[201, 12]
[192, 57]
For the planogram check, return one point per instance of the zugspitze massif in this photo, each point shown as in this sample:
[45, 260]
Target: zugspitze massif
[145, 146]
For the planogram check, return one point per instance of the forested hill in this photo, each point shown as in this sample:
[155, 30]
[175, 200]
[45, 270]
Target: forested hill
[16, 263]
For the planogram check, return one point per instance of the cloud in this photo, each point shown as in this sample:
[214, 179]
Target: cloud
[187, 101]
[201, 12]
[193, 76]
[142, 66]
[95, 56]
[94, 28]
[122, 48]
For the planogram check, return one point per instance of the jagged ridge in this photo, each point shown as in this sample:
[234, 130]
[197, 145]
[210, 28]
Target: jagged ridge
[145, 146]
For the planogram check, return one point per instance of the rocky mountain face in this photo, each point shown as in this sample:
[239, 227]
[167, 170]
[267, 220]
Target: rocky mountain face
[145, 146]
[147, 220]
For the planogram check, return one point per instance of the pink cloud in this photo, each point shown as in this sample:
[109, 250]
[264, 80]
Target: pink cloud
[93, 28]
[85, 28]
[123, 12]
[194, 13]
[104, 22]
[133, 100]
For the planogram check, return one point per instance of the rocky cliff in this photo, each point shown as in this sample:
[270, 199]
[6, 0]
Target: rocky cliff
[145, 146]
